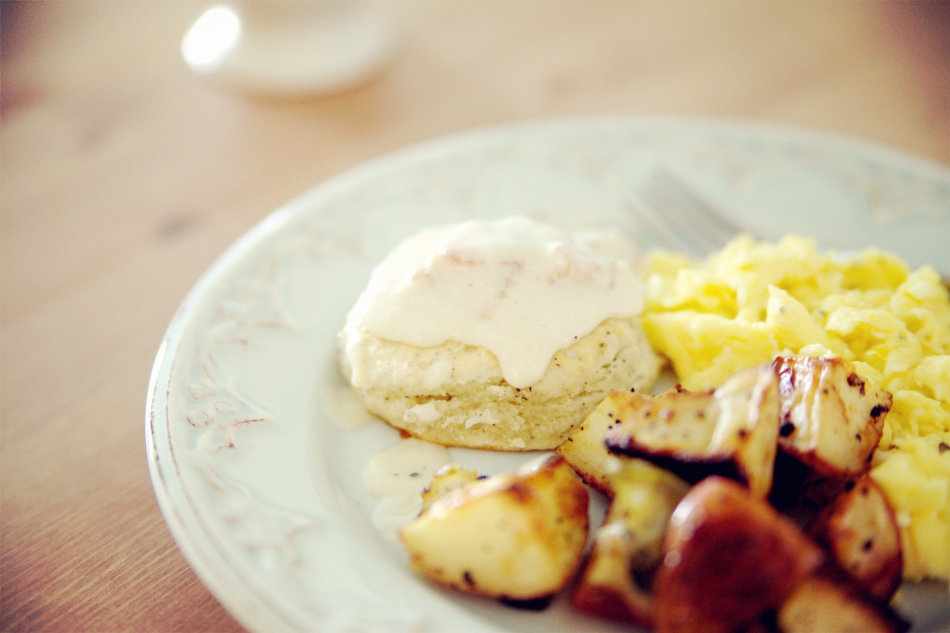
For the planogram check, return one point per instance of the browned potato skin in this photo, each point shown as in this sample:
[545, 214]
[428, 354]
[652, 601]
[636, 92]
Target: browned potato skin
[514, 536]
[730, 431]
[832, 420]
[860, 532]
[585, 449]
[828, 600]
[729, 557]
[450, 477]
[617, 578]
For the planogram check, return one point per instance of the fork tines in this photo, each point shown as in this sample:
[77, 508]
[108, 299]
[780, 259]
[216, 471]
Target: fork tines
[676, 216]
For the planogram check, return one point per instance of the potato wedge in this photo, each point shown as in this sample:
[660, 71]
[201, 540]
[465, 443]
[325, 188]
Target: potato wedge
[860, 532]
[729, 557]
[617, 579]
[829, 601]
[517, 536]
[585, 449]
[731, 431]
[832, 419]
[448, 478]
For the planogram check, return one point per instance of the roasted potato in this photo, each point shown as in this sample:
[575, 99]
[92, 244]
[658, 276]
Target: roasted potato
[829, 601]
[448, 478]
[728, 557]
[860, 532]
[832, 419]
[585, 449]
[730, 431]
[617, 578]
[517, 536]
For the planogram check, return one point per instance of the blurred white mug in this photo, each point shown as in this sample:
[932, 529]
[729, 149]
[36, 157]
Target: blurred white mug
[289, 47]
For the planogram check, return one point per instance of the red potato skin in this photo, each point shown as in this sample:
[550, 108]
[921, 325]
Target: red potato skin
[729, 557]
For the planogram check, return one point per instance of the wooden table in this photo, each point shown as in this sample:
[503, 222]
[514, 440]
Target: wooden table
[124, 176]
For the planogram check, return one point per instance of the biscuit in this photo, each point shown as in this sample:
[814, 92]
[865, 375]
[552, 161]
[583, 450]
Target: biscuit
[456, 395]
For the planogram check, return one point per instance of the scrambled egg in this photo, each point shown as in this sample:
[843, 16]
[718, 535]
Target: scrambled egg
[753, 300]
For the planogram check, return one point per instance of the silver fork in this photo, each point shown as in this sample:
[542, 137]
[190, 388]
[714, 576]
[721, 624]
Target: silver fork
[671, 213]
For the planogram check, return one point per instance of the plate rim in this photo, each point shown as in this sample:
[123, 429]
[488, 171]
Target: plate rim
[245, 605]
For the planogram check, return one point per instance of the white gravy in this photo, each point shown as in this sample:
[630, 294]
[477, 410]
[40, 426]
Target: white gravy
[396, 477]
[519, 288]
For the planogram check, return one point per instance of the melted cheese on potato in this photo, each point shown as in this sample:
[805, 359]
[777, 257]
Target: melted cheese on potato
[752, 301]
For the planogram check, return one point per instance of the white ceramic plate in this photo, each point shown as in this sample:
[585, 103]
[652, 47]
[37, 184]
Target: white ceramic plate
[255, 453]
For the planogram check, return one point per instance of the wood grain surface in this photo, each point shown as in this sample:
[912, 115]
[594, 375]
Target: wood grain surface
[124, 175]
